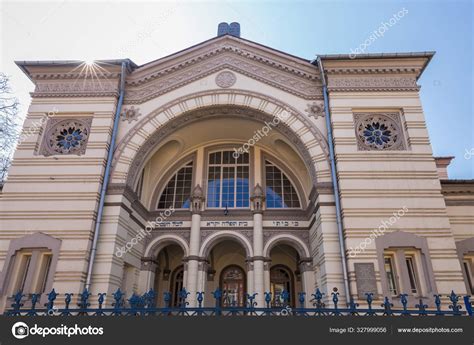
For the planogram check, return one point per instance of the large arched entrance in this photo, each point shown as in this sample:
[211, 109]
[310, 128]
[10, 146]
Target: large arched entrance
[169, 274]
[176, 285]
[232, 284]
[195, 151]
[282, 285]
[226, 269]
[283, 270]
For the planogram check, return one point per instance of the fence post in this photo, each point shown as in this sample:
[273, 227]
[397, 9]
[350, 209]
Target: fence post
[468, 304]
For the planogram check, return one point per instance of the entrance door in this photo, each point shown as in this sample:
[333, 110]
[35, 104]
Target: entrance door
[233, 286]
[281, 280]
[176, 286]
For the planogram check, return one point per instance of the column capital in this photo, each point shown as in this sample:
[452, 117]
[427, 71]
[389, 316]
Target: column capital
[195, 258]
[148, 263]
[166, 274]
[305, 264]
[258, 258]
[197, 200]
[267, 265]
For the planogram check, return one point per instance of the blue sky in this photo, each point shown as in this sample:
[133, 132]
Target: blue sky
[144, 31]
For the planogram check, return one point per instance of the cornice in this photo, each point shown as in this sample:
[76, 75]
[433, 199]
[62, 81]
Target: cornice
[457, 187]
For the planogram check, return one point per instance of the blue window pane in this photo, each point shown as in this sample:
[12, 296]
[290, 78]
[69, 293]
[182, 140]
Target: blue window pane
[187, 203]
[213, 192]
[178, 189]
[228, 184]
[280, 192]
[274, 199]
[242, 195]
[227, 191]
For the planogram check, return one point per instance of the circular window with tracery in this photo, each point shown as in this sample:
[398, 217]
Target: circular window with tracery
[67, 137]
[378, 132]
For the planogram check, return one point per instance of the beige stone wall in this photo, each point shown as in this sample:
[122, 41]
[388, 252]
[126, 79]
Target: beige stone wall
[459, 197]
[58, 195]
[375, 184]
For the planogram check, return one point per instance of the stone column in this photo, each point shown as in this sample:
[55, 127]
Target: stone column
[147, 274]
[197, 199]
[308, 283]
[250, 274]
[266, 274]
[257, 199]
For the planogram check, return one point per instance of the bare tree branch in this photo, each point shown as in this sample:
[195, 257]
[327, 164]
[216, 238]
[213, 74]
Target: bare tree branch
[10, 126]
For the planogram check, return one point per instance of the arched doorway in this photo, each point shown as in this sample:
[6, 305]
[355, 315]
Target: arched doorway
[284, 275]
[233, 286]
[226, 270]
[176, 285]
[169, 274]
[281, 282]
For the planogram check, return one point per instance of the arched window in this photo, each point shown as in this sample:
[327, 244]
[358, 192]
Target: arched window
[280, 192]
[281, 280]
[177, 192]
[233, 286]
[228, 180]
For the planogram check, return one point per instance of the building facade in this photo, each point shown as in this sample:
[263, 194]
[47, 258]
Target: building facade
[221, 178]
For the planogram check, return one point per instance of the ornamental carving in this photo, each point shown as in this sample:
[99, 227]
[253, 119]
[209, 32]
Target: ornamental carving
[257, 199]
[226, 79]
[303, 235]
[247, 233]
[197, 200]
[184, 234]
[315, 109]
[130, 114]
[373, 83]
[76, 88]
[66, 136]
[307, 87]
[375, 131]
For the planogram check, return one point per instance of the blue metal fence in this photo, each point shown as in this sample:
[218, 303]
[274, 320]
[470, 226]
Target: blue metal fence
[146, 305]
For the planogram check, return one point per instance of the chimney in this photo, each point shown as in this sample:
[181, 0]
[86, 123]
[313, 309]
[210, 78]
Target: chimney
[442, 166]
[225, 29]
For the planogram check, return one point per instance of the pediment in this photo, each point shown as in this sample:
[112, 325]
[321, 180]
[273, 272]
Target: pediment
[291, 74]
